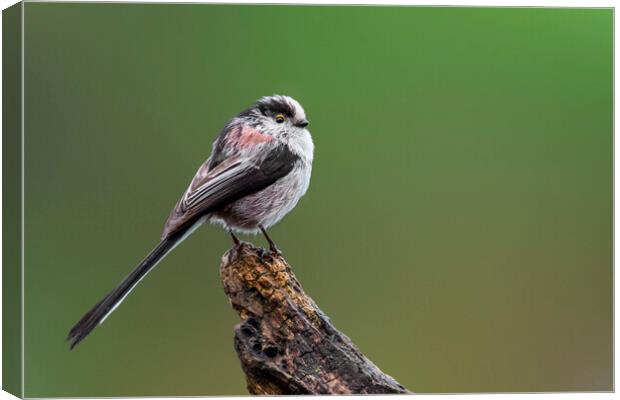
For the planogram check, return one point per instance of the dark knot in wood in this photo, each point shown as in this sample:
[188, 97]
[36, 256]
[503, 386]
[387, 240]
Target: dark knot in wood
[284, 341]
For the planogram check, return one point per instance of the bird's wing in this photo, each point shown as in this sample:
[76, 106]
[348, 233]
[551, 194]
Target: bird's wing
[232, 179]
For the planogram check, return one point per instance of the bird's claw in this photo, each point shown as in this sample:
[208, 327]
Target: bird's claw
[261, 254]
[275, 251]
[264, 254]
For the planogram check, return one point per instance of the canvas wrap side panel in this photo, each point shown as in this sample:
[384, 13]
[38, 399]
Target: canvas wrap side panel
[12, 199]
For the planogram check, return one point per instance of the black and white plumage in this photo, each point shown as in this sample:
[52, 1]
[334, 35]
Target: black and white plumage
[258, 170]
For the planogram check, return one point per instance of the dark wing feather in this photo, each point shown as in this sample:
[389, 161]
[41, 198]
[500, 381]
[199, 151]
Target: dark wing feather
[231, 180]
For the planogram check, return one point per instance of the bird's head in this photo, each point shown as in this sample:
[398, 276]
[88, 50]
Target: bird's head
[277, 115]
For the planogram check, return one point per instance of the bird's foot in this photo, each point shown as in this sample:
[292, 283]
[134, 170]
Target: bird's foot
[265, 255]
[262, 254]
[273, 249]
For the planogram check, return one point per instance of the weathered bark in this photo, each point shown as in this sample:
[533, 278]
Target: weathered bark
[284, 341]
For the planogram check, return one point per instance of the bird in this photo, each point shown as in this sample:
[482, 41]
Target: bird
[258, 170]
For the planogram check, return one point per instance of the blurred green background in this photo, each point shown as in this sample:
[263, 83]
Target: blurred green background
[458, 225]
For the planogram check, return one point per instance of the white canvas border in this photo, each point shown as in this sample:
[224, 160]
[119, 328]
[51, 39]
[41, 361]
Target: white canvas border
[479, 3]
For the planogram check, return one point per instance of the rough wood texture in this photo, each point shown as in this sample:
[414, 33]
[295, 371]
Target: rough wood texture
[284, 341]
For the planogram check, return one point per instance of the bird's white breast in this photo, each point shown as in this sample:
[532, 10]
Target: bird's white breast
[269, 205]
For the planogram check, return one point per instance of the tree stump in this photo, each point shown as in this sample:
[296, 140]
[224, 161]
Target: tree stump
[284, 341]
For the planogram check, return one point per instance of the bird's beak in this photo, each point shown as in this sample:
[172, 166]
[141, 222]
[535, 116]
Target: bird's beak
[303, 123]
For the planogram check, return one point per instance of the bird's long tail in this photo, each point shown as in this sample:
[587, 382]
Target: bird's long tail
[105, 307]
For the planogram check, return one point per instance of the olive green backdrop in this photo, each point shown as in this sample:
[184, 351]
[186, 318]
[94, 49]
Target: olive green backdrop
[458, 225]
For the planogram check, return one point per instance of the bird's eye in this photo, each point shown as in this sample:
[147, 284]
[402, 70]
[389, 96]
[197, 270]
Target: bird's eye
[280, 118]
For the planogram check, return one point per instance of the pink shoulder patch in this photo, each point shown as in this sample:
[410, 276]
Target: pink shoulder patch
[248, 136]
